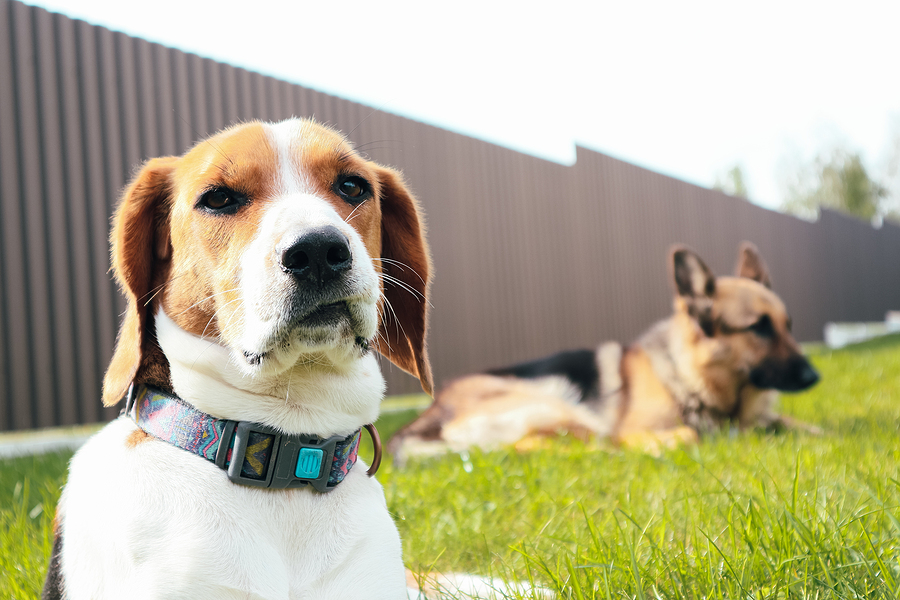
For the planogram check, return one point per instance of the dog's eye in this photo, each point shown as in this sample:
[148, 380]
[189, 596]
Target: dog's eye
[353, 189]
[221, 200]
[763, 327]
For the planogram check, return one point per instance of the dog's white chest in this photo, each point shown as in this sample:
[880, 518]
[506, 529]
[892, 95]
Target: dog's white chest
[158, 522]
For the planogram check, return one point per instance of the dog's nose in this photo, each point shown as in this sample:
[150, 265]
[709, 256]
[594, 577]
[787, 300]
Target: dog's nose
[807, 377]
[318, 256]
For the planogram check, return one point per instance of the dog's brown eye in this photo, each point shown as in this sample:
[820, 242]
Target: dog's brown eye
[218, 199]
[352, 189]
[221, 201]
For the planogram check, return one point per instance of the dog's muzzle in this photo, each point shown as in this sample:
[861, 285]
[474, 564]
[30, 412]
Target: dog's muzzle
[791, 375]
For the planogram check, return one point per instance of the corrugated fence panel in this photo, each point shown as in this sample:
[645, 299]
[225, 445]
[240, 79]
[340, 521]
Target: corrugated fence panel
[77, 214]
[56, 221]
[889, 246]
[530, 256]
[11, 266]
[38, 347]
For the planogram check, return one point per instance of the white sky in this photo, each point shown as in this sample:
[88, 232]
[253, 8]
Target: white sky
[686, 88]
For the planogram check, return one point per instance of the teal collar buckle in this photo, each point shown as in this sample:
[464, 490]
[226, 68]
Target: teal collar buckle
[294, 460]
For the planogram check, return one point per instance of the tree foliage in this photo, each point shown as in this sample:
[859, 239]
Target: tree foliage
[891, 204]
[840, 182]
[732, 182]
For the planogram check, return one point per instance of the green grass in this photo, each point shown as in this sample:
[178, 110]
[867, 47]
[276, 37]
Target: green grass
[739, 516]
[29, 490]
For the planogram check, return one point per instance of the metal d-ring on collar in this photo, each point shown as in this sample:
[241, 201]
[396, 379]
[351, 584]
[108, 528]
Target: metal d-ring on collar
[376, 444]
[268, 457]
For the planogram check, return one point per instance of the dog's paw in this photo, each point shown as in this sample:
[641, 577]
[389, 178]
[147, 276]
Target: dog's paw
[782, 424]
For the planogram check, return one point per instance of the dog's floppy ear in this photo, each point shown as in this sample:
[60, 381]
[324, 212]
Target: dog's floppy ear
[750, 264]
[695, 284]
[406, 265]
[140, 247]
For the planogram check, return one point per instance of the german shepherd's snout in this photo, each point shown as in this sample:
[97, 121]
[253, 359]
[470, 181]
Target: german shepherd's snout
[791, 374]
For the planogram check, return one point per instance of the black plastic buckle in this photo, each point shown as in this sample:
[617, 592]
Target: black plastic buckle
[282, 465]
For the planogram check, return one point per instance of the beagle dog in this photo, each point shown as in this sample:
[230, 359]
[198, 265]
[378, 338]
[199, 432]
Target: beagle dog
[262, 269]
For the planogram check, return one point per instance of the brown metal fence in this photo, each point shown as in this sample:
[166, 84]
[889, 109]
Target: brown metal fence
[530, 256]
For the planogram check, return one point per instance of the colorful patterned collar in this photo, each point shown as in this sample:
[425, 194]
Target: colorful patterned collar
[271, 459]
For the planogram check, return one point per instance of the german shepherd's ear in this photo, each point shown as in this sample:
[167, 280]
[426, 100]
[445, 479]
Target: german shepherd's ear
[406, 266]
[140, 248]
[695, 285]
[751, 265]
[691, 276]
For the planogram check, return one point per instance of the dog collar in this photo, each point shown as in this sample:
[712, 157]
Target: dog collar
[270, 459]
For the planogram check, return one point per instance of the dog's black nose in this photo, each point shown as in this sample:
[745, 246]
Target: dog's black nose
[792, 375]
[318, 256]
[807, 377]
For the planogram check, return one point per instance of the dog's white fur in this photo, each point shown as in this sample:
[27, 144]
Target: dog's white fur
[242, 542]
[156, 522]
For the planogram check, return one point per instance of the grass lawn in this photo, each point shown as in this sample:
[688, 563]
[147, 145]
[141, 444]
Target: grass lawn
[740, 516]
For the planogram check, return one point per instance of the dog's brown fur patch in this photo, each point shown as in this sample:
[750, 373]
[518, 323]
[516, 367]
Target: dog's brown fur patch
[138, 436]
[650, 407]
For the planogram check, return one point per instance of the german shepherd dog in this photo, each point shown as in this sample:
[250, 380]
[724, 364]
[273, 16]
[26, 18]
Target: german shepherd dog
[716, 362]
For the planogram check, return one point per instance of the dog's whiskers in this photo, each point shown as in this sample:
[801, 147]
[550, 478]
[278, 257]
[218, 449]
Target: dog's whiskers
[398, 325]
[400, 264]
[401, 284]
[213, 295]
[203, 333]
[383, 320]
[152, 293]
[368, 147]
[355, 208]
[380, 338]
[405, 286]
[158, 290]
